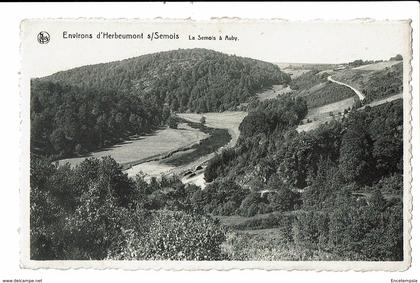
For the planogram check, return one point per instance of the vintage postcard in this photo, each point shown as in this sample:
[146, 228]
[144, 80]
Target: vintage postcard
[220, 144]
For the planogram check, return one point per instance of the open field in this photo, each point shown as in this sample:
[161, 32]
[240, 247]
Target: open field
[145, 147]
[229, 120]
[385, 100]
[312, 125]
[326, 93]
[377, 66]
[273, 92]
[295, 73]
[323, 111]
[296, 70]
[322, 114]
[184, 159]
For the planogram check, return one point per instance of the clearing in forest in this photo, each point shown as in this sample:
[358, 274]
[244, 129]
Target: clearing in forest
[377, 66]
[148, 146]
[273, 92]
[319, 115]
[229, 120]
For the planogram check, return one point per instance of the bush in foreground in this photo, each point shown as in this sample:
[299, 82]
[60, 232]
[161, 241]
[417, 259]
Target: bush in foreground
[173, 236]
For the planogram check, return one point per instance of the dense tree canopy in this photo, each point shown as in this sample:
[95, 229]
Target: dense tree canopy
[198, 80]
[94, 211]
[338, 187]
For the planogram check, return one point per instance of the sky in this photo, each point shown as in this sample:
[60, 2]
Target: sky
[273, 41]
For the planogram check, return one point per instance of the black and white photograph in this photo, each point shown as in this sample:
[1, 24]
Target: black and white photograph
[263, 143]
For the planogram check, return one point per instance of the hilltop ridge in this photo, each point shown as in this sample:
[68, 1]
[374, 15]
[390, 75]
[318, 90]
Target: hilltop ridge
[85, 108]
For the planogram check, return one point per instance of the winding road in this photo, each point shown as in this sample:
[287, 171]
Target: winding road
[359, 94]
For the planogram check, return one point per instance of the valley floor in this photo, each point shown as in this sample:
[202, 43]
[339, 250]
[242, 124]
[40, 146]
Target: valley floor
[145, 147]
[152, 154]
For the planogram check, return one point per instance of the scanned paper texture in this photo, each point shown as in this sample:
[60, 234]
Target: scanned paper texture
[222, 144]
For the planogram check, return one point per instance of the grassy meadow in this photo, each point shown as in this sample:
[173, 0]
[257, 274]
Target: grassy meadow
[229, 120]
[145, 147]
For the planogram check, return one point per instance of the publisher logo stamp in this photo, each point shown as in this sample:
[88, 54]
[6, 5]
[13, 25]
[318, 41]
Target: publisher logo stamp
[43, 37]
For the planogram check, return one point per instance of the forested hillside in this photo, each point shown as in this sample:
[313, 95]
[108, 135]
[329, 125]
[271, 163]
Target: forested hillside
[80, 110]
[333, 193]
[365, 146]
[375, 83]
[316, 90]
[262, 131]
[192, 79]
[339, 187]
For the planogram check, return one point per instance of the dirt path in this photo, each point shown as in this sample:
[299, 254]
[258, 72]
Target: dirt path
[384, 100]
[359, 94]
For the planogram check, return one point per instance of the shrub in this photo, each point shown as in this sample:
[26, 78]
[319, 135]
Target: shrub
[173, 236]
